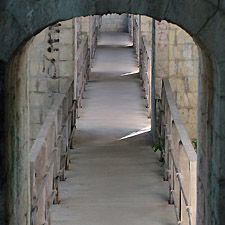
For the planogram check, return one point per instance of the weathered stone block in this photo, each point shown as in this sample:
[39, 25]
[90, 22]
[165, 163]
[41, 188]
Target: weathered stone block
[33, 85]
[66, 36]
[186, 51]
[158, 83]
[53, 85]
[162, 51]
[66, 68]
[34, 67]
[67, 24]
[66, 52]
[182, 100]
[191, 130]
[190, 68]
[193, 99]
[181, 84]
[85, 28]
[44, 114]
[195, 53]
[184, 113]
[193, 115]
[35, 52]
[42, 85]
[173, 84]
[62, 83]
[41, 37]
[183, 37]
[34, 130]
[172, 53]
[172, 37]
[193, 84]
[145, 27]
[37, 99]
[173, 68]
[35, 116]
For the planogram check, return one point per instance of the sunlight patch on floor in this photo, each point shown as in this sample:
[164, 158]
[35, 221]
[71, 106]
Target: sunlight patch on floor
[142, 131]
[130, 73]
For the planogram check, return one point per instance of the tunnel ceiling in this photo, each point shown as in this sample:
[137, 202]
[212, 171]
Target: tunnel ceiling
[20, 20]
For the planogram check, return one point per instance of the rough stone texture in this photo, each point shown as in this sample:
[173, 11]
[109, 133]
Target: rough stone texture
[46, 77]
[66, 50]
[114, 23]
[183, 75]
[146, 28]
[17, 139]
[204, 20]
[83, 24]
[176, 58]
[2, 146]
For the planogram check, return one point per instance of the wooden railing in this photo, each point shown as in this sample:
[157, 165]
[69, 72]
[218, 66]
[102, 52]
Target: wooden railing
[131, 25]
[49, 155]
[145, 71]
[83, 62]
[94, 36]
[180, 159]
[179, 155]
[136, 37]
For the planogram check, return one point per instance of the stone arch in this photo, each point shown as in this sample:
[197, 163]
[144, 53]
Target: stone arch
[21, 20]
[202, 19]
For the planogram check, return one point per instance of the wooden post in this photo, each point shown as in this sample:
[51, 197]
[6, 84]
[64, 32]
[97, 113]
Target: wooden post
[139, 40]
[67, 166]
[75, 67]
[153, 109]
[132, 27]
[193, 190]
[75, 59]
[90, 39]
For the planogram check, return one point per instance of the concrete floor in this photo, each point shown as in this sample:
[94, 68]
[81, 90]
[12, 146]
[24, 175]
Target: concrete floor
[114, 178]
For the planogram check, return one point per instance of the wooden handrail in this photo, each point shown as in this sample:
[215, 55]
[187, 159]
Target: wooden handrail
[83, 64]
[136, 37]
[189, 150]
[46, 162]
[145, 71]
[146, 46]
[50, 151]
[180, 159]
[179, 154]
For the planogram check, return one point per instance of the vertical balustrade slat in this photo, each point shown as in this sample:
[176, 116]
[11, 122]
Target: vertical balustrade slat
[145, 71]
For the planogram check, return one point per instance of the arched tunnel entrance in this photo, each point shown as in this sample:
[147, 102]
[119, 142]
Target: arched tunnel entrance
[205, 26]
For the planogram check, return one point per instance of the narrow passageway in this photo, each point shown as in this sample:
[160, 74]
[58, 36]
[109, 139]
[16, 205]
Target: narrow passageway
[114, 178]
[114, 106]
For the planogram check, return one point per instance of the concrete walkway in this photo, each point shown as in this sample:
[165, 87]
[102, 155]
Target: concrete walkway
[115, 178]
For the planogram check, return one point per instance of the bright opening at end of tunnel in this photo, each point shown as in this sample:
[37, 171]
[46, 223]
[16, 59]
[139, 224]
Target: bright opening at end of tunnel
[142, 131]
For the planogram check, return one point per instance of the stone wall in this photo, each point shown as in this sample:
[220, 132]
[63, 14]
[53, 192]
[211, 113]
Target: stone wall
[51, 57]
[204, 20]
[17, 139]
[183, 75]
[50, 63]
[83, 27]
[146, 28]
[176, 57]
[114, 23]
